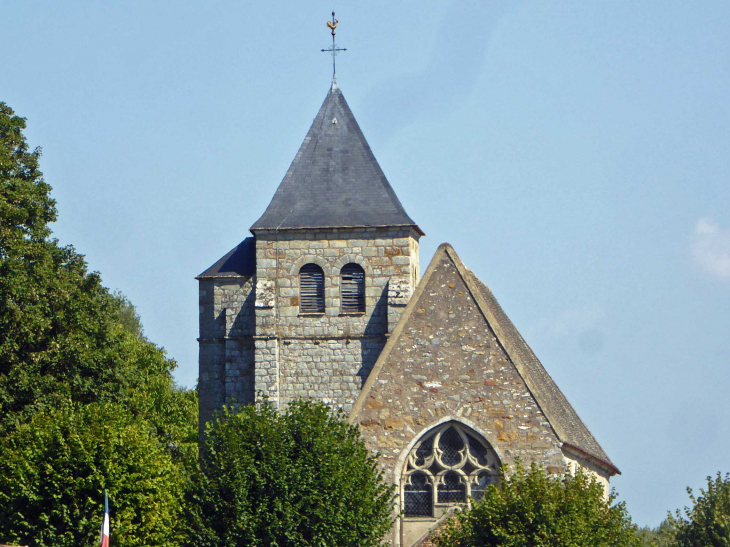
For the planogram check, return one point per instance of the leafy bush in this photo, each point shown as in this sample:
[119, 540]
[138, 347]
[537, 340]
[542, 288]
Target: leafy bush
[300, 477]
[532, 508]
[54, 470]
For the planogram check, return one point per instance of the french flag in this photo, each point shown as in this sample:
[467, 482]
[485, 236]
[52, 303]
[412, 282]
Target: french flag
[104, 539]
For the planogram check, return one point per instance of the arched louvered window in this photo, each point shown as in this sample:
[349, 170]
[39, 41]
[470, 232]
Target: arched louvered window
[352, 289]
[451, 464]
[311, 289]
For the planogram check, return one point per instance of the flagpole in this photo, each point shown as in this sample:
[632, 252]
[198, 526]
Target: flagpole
[104, 536]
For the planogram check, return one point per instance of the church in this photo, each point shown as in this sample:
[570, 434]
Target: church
[326, 300]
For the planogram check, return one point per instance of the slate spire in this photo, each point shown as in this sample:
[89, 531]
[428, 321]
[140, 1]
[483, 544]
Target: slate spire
[335, 180]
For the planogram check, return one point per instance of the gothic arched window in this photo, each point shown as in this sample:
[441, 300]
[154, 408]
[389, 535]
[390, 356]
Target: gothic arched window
[449, 465]
[311, 289]
[352, 289]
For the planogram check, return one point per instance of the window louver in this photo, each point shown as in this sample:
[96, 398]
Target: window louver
[311, 289]
[352, 289]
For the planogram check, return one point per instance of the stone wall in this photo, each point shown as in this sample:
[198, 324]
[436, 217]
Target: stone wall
[327, 355]
[445, 363]
[253, 340]
[226, 343]
[332, 371]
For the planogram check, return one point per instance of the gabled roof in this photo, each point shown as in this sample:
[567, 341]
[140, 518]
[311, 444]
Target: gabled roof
[334, 180]
[239, 261]
[564, 420]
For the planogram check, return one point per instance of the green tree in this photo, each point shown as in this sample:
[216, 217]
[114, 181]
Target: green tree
[300, 477]
[58, 325]
[532, 508]
[63, 336]
[661, 536]
[55, 468]
[65, 340]
[707, 522]
[128, 316]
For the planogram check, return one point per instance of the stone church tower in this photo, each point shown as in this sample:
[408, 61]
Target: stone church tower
[325, 301]
[303, 308]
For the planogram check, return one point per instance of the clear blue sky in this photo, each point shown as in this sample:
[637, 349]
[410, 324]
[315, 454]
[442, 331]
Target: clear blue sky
[576, 154]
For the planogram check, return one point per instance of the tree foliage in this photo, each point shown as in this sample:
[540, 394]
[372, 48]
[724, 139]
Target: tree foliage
[532, 508]
[69, 352]
[63, 336]
[300, 477]
[707, 522]
[58, 329]
[127, 315]
[661, 536]
[55, 468]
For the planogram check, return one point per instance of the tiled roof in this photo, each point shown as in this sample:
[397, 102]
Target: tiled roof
[334, 180]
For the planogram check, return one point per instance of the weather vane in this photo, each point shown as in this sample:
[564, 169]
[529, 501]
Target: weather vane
[332, 25]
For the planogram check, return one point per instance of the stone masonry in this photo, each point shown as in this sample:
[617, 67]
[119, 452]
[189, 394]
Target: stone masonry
[427, 358]
[254, 342]
[447, 362]
[327, 356]
[226, 343]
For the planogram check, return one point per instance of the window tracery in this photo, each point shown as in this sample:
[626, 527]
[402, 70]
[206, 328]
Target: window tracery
[451, 464]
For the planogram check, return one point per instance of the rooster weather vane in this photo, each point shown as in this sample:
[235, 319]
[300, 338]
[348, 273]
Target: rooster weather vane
[332, 25]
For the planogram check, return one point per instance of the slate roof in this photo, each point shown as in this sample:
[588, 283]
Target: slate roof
[239, 261]
[569, 428]
[334, 180]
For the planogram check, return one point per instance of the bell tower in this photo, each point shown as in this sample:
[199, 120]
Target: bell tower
[304, 307]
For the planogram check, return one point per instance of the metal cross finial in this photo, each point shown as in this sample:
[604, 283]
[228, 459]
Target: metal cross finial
[332, 25]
